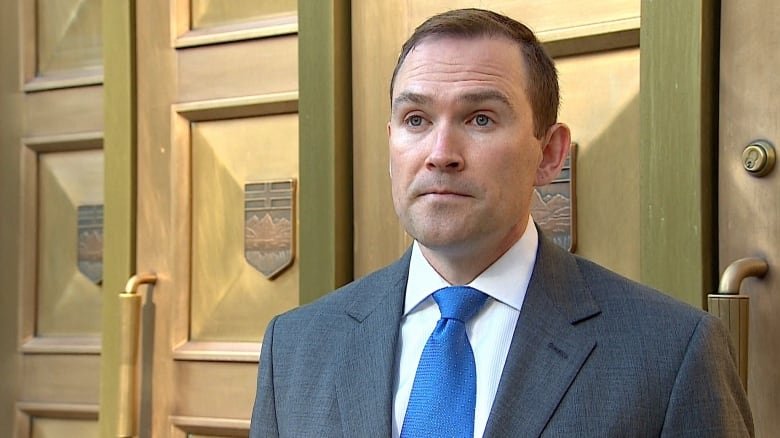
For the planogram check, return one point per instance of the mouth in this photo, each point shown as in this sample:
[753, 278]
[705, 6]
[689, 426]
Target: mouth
[442, 189]
[444, 193]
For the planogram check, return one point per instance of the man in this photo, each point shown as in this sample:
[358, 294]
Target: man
[550, 344]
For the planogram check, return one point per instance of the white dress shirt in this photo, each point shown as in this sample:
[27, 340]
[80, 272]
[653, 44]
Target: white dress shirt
[490, 331]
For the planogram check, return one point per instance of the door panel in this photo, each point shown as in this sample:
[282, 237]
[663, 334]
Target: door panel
[69, 264]
[607, 168]
[211, 13]
[60, 111]
[52, 428]
[62, 43]
[749, 207]
[68, 36]
[229, 295]
[247, 68]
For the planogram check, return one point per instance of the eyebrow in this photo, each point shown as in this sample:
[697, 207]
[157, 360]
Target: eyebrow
[410, 97]
[473, 97]
[486, 95]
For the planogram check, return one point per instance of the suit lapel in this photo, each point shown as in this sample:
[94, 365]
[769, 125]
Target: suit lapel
[547, 349]
[364, 386]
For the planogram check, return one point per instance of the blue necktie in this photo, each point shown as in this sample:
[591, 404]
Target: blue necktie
[445, 385]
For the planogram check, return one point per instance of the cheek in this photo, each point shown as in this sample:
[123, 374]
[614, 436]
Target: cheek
[394, 167]
[512, 183]
[525, 168]
[397, 176]
[402, 163]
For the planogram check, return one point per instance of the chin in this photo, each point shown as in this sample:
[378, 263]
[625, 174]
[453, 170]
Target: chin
[441, 240]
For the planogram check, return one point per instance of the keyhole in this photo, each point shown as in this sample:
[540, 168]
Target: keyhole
[758, 158]
[751, 159]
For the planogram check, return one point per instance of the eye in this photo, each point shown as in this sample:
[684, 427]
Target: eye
[482, 120]
[414, 120]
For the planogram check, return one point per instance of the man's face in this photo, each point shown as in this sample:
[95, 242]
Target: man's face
[463, 157]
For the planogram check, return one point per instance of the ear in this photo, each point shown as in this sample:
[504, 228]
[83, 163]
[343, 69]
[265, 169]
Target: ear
[554, 152]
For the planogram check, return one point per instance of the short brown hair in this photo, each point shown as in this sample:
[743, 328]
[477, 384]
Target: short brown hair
[542, 80]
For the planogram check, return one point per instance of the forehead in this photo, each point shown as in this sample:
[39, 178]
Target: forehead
[447, 63]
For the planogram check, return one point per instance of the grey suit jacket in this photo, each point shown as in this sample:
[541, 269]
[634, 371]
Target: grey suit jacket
[593, 355]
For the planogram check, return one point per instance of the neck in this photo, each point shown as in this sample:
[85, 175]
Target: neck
[462, 265]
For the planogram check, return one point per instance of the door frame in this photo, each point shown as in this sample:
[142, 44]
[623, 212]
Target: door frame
[119, 85]
[678, 147]
[11, 109]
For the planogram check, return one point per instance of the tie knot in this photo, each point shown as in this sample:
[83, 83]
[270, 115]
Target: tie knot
[459, 302]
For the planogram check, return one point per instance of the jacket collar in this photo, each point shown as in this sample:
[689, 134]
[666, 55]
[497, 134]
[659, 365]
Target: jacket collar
[364, 386]
[548, 349]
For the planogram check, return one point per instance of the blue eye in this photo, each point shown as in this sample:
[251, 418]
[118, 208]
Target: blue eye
[481, 120]
[414, 121]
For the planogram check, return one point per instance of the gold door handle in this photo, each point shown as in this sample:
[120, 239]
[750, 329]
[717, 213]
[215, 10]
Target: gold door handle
[739, 270]
[130, 319]
[733, 308]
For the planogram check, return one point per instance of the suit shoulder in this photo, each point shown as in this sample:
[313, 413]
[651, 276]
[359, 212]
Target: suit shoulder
[659, 327]
[370, 288]
[611, 289]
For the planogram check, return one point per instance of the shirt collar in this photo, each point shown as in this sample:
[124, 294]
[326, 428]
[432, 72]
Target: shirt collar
[506, 280]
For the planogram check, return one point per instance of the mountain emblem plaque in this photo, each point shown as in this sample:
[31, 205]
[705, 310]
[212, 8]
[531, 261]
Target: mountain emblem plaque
[89, 238]
[554, 206]
[269, 225]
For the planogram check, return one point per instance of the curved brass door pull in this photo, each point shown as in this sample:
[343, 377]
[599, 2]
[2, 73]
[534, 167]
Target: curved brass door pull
[739, 270]
[733, 308]
[130, 318]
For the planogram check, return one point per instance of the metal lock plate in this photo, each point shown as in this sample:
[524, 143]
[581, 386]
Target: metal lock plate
[758, 158]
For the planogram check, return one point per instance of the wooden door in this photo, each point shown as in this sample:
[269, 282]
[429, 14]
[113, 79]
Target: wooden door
[52, 200]
[749, 206]
[216, 176]
[200, 188]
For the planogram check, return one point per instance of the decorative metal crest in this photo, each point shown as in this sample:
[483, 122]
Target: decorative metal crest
[90, 242]
[269, 225]
[554, 206]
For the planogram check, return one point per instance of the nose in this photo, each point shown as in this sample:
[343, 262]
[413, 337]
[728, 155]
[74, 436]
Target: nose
[445, 154]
